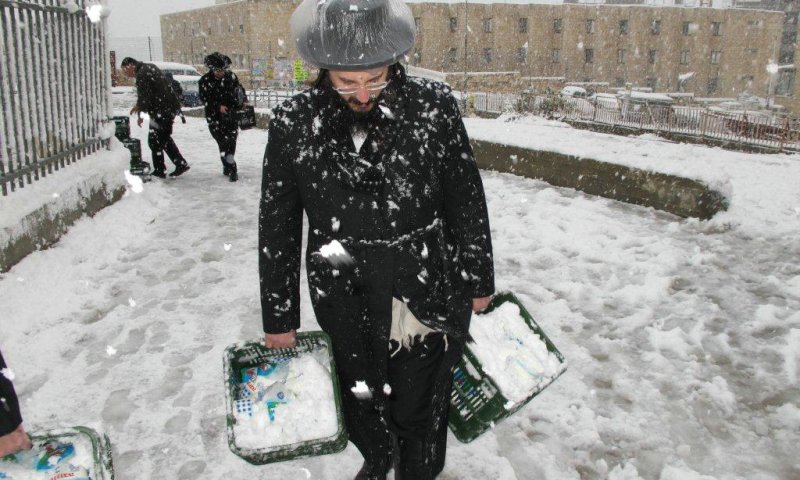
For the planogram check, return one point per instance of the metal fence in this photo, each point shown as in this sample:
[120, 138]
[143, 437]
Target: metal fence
[747, 129]
[54, 84]
[268, 97]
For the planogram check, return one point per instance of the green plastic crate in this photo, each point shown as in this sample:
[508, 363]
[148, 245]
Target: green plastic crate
[135, 147]
[103, 466]
[476, 403]
[122, 128]
[252, 354]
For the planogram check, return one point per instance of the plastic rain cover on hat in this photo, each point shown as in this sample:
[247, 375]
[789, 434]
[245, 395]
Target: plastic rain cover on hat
[353, 34]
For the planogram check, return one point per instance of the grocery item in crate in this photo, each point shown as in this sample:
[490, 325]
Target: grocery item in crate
[514, 356]
[509, 363]
[75, 454]
[283, 403]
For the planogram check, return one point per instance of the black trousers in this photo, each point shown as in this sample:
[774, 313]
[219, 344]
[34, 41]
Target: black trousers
[421, 381]
[159, 139]
[225, 132]
[10, 417]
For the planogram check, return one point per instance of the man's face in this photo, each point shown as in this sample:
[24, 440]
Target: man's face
[219, 72]
[130, 70]
[364, 85]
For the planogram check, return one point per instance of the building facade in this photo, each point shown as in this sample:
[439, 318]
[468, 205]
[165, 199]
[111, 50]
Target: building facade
[711, 52]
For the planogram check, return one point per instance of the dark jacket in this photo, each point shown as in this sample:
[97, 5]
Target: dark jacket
[154, 93]
[215, 92]
[409, 209]
[10, 417]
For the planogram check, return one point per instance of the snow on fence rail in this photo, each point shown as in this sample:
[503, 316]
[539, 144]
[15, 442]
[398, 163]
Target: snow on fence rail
[755, 129]
[54, 88]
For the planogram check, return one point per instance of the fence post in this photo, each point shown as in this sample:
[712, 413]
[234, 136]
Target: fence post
[703, 122]
[594, 112]
[785, 132]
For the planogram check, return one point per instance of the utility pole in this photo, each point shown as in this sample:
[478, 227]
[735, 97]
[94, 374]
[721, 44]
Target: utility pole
[150, 47]
[466, 27]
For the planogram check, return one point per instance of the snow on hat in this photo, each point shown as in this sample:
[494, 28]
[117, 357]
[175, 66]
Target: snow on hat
[353, 34]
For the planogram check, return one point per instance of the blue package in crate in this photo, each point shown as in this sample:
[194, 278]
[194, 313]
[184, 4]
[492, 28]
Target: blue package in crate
[510, 362]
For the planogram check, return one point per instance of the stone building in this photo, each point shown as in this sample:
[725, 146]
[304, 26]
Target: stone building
[711, 52]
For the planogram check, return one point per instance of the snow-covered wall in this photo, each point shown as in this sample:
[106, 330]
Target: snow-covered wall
[36, 216]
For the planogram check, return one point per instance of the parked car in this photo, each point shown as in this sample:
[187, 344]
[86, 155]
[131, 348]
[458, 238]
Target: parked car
[574, 91]
[188, 77]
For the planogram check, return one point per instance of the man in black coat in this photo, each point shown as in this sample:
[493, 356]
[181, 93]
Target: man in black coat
[222, 94]
[382, 167]
[12, 436]
[155, 96]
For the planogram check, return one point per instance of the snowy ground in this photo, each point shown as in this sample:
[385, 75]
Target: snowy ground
[682, 336]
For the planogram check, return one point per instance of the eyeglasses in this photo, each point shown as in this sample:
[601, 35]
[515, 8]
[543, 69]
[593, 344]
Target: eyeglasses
[370, 87]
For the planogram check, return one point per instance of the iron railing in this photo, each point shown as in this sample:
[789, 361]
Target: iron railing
[54, 88]
[747, 129]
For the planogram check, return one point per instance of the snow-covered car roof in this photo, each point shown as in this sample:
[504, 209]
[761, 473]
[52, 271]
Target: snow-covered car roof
[176, 68]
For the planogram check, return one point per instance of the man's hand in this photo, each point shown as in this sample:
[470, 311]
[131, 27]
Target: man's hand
[14, 442]
[280, 340]
[479, 304]
[135, 109]
[223, 109]
[139, 122]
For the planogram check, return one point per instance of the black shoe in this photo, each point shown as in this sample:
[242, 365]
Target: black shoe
[158, 173]
[226, 170]
[233, 176]
[180, 169]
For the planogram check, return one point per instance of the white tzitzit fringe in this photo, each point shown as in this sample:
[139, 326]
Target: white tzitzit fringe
[406, 329]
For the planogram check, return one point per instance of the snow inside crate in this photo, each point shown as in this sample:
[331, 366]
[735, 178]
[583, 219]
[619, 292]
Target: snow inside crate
[77, 453]
[283, 403]
[510, 361]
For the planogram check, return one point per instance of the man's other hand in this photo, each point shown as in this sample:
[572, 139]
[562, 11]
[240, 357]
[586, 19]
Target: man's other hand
[280, 340]
[223, 109]
[139, 122]
[14, 442]
[479, 304]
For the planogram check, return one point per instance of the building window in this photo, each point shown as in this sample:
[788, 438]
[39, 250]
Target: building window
[755, 23]
[417, 24]
[684, 57]
[752, 51]
[452, 54]
[556, 55]
[716, 28]
[522, 26]
[715, 57]
[590, 25]
[487, 55]
[687, 28]
[453, 24]
[210, 25]
[655, 27]
[712, 86]
[588, 55]
[619, 82]
[621, 55]
[651, 56]
[522, 55]
[487, 25]
[651, 83]
[241, 27]
[785, 86]
[623, 27]
[558, 25]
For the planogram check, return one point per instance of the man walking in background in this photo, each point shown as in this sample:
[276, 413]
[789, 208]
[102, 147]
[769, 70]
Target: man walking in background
[222, 94]
[155, 96]
[382, 167]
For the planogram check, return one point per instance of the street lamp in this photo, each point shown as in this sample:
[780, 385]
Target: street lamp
[772, 70]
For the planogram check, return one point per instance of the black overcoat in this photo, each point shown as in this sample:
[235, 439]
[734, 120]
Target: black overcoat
[154, 93]
[409, 210]
[215, 92]
[10, 417]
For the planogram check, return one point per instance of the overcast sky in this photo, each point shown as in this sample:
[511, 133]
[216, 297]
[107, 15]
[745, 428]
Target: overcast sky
[140, 18]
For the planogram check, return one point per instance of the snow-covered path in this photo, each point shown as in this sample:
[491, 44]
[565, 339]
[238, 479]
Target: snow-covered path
[682, 336]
